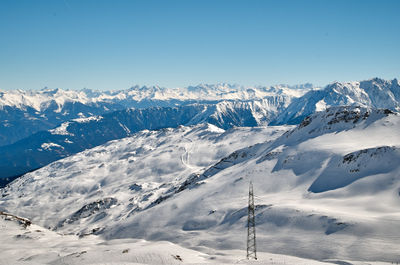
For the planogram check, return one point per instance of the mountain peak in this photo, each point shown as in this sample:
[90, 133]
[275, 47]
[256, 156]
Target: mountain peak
[336, 119]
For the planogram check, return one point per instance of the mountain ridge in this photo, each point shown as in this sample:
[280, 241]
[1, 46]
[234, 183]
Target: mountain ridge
[39, 99]
[375, 93]
[279, 106]
[26, 112]
[79, 134]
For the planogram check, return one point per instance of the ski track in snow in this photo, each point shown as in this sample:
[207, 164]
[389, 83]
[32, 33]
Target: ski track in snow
[185, 157]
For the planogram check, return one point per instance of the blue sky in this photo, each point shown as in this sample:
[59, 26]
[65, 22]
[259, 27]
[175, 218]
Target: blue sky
[116, 44]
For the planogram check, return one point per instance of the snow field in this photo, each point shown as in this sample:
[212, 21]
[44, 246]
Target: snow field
[319, 195]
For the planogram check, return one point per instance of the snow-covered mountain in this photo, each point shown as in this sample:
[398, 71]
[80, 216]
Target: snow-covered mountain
[17, 123]
[79, 134]
[29, 118]
[143, 162]
[24, 112]
[373, 93]
[141, 97]
[328, 188]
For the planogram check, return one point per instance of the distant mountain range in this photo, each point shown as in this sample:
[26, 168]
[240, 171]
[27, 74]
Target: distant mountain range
[23, 113]
[39, 127]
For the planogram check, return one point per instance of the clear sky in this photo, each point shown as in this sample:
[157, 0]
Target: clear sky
[116, 44]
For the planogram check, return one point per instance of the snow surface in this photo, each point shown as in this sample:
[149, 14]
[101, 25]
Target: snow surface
[37, 245]
[328, 189]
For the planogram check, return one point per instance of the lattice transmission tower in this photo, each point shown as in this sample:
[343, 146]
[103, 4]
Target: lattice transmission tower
[251, 226]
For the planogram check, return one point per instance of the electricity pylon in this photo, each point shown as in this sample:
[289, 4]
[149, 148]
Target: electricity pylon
[251, 226]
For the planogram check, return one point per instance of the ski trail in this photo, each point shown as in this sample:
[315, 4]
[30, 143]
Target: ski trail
[188, 147]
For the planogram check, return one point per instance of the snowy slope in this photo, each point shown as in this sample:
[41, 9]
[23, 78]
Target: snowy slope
[149, 163]
[327, 189]
[37, 245]
[357, 218]
[79, 134]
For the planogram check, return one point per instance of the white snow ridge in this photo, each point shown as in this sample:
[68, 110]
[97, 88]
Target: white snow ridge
[327, 192]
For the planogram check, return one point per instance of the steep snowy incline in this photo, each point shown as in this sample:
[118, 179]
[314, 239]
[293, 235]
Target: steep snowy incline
[327, 189]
